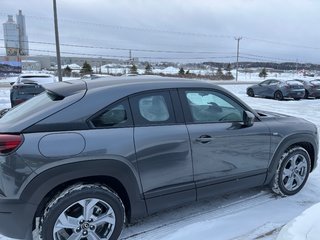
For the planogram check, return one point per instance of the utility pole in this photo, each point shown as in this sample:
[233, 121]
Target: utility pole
[130, 57]
[238, 40]
[57, 40]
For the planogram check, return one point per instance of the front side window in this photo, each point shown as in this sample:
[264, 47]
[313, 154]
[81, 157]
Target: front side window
[210, 106]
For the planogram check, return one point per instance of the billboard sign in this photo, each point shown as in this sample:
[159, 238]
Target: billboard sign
[8, 67]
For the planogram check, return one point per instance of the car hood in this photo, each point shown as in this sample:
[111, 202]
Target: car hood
[268, 114]
[286, 124]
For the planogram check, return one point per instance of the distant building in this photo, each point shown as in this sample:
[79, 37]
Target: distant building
[15, 37]
[23, 38]
[30, 65]
[11, 37]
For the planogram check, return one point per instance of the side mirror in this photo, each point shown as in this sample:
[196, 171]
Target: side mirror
[248, 118]
[12, 83]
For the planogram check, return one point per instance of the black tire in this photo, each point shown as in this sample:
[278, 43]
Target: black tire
[292, 172]
[297, 99]
[104, 203]
[250, 92]
[306, 94]
[278, 95]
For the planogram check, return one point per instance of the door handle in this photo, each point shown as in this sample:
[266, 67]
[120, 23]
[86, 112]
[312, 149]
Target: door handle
[204, 139]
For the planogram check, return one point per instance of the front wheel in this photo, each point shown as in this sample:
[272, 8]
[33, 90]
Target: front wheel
[250, 92]
[292, 172]
[83, 212]
[278, 95]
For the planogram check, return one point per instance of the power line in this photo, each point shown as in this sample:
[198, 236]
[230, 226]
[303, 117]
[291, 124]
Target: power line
[122, 27]
[281, 43]
[124, 49]
[194, 34]
[126, 57]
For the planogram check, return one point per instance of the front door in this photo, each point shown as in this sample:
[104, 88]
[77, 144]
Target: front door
[223, 149]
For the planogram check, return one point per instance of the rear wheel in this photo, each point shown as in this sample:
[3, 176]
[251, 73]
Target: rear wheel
[83, 212]
[292, 172]
[278, 95]
[250, 92]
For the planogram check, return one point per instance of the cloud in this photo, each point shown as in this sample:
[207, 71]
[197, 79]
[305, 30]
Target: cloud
[164, 24]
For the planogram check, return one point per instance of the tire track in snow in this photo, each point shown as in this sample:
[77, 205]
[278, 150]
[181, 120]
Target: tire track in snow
[164, 228]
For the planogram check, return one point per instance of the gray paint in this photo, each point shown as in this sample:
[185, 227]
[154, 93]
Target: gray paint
[160, 166]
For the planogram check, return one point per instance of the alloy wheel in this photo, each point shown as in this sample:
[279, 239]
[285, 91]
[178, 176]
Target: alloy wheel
[294, 172]
[87, 219]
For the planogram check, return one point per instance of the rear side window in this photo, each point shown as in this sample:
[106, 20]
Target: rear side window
[152, 108]
[116, 115]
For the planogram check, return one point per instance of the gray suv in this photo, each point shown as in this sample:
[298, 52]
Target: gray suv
[84, 157]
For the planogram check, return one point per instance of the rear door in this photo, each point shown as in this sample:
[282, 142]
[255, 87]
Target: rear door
[223, 149]
[262, 89]
[162, 149]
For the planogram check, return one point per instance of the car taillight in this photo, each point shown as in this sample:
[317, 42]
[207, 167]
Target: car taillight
[9, 143]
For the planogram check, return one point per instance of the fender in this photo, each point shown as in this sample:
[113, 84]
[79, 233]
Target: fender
[52, 175]
[283, 146]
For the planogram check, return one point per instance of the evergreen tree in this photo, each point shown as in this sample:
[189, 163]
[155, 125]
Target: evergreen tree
[263, 73]
[181, 71]
[229, 75]
[148, 69]
[86, 68]
[187, 72]
[67, 71]
[219, 73]
[228, 68]
[133, 69]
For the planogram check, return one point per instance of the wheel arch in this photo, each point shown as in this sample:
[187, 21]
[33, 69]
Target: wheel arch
[305, 141]
[111, 173]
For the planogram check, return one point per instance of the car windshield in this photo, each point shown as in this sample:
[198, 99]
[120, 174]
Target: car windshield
[27, 108]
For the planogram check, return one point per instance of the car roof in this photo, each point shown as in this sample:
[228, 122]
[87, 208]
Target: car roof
[128, 84]
[152, 82]
[35, 75]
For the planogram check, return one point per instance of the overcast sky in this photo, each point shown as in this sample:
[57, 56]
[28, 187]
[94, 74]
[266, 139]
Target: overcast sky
[275, 30]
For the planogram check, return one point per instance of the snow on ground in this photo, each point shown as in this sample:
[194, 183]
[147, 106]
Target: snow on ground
[303, 227]
[245, 215]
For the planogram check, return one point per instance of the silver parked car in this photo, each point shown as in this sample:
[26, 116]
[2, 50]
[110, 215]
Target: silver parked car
[277, 89]
[312, 87]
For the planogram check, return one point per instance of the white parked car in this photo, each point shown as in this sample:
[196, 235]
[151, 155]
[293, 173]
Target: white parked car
[28, 85]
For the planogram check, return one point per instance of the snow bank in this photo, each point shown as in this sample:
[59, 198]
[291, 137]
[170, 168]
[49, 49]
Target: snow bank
[304, 227]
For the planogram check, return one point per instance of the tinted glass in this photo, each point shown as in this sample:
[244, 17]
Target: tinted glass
[209, 106]
[152, 108]
[27, 108]
[116, 116]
